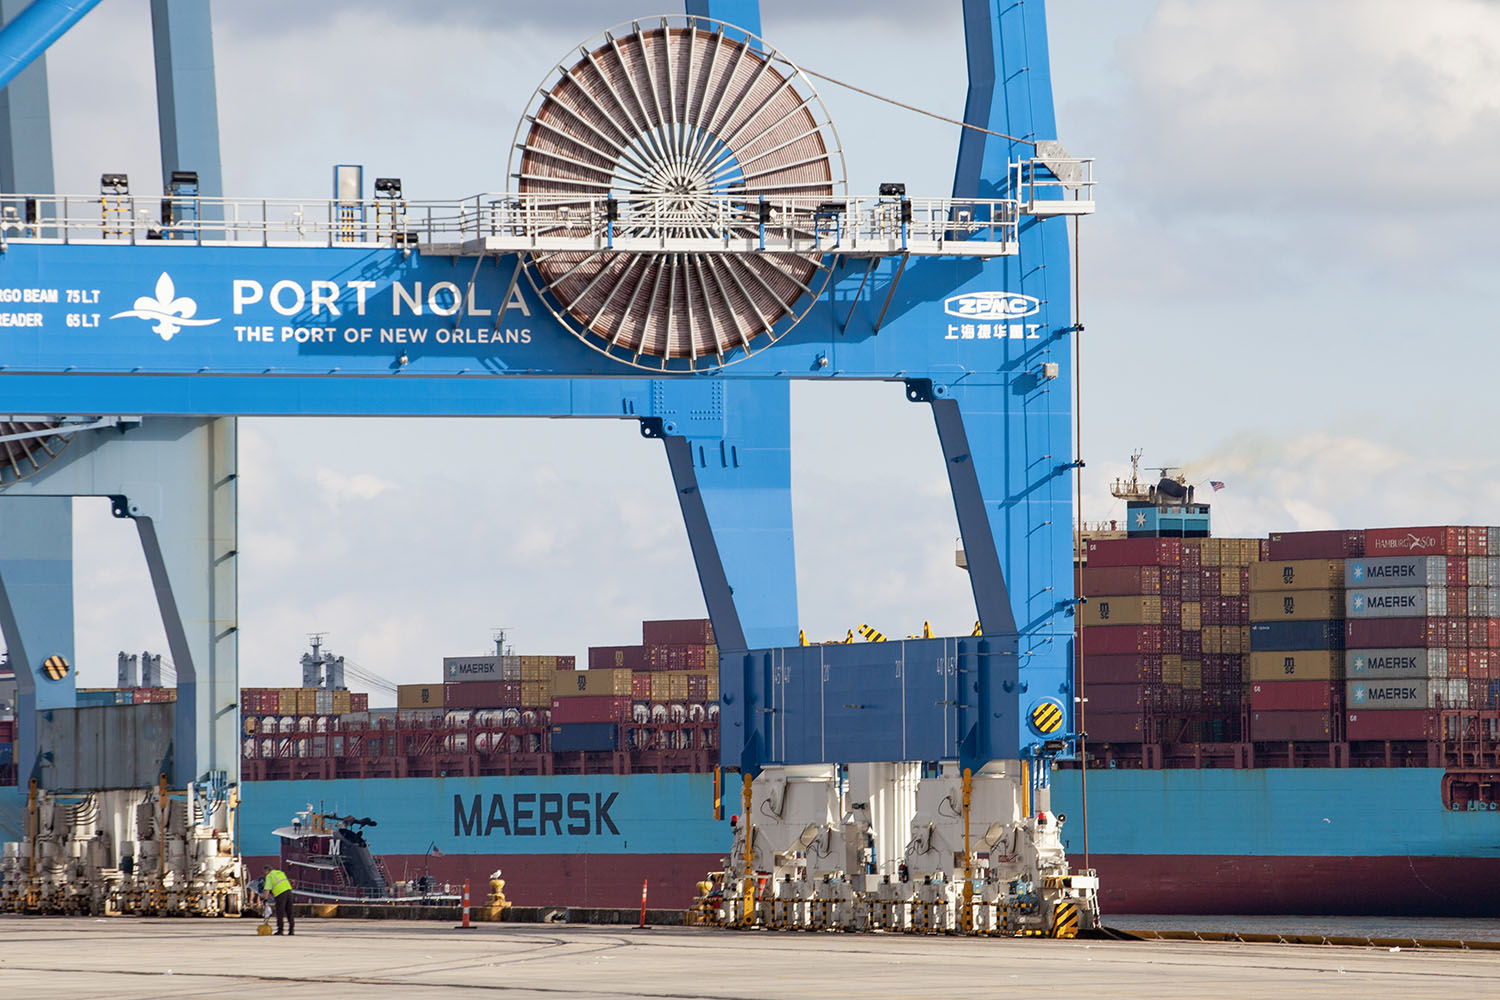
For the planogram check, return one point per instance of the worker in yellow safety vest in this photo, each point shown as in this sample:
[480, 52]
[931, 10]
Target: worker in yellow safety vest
[279, 888]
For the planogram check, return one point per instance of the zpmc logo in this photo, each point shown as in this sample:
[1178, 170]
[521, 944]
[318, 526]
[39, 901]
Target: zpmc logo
[991, 305]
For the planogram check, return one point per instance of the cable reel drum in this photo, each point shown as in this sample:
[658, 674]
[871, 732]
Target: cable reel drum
[662, 121]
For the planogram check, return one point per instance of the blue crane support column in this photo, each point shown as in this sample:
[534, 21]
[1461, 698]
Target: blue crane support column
[36, 610]
[740, 13]
[25, 124]
[175, 479]
[1007, 438]
[30, 32]
[734, 484]
[187, 104]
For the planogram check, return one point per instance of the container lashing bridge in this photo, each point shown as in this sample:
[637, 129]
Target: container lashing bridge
[675, 245]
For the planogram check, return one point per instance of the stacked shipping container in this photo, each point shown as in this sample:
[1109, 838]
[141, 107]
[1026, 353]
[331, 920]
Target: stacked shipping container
[1296, 639]
[1162, 637]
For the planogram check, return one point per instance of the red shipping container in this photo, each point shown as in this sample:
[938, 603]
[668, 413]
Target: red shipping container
[1171, 581]
[1456, 632]
[1284, 726]
[1120, 581]
[697, 687]
[1105, 727]
[1135, 552]
[1458, 571]
[1390, 724]
[1396, 633]
[1439, 541]
[567, 663]
[1291, 696]
[1192, 644]
[590, 708]
[1478, 633]
[618, 657]
[1111, 699]
[478, 694]
[359, 701]
[1481, 694]
[1192, 557]
[1287, 546]
[677, 657]
[1121, 669]
[1210, 581]
[1192, 586]
[640, 685]
[1494, 631]
[1171, 639]
[678, 632]
[1106, 639]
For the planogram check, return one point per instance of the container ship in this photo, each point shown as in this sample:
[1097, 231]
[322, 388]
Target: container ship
[1303, 723]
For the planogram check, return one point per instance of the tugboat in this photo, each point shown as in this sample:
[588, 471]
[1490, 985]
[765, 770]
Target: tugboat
[328, 860]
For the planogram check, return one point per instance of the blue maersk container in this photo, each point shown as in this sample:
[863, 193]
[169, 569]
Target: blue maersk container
[577, 737]
[7, 753]
[1278, 636]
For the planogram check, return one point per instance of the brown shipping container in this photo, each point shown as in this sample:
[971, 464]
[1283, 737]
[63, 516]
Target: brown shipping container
[1106, 639]
[359, 701]
[1121, 580]
[1284, 726]
[640, 685]
[678, 632]
[536, 694]
[1134, 552]
[307, 701]
[1130, 668]
[713, 686]
[472, 694]
[590, 709]
[1192, 616]
[1398, 633]
[1400, 724]
[1121, 611]
[1298, 665]
[1296, 605]
[1291, 696]
[697, 686]
[1298, 574]
[591, 683]
[1287, 546]
[1116, 698]
[659, 687]
[1115, 727]
[622, 657]
[677, 657]
[420, 695]
[342, 704]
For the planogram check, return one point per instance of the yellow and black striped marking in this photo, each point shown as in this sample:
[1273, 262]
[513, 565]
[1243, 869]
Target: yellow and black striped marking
[870, 634]
[978, 629]
[56, 667]
[1064, 921]
[1047, 717]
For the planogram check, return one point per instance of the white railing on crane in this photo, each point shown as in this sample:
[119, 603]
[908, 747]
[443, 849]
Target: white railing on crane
[509, 223]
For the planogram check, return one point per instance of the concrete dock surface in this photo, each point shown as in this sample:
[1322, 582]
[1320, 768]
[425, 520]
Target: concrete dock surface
[135, 957]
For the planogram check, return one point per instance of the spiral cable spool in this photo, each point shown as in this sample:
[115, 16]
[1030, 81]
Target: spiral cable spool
[674, 120]
[26, 446]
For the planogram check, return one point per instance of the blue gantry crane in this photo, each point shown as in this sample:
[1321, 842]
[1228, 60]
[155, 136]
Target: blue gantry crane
[675, 245]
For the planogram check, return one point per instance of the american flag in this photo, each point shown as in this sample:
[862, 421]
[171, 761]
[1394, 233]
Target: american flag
[1216, 485]
[436, 851]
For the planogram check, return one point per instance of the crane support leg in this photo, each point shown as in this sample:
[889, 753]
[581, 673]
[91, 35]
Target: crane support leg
[176, 479]
[734, 486]
[36, 610]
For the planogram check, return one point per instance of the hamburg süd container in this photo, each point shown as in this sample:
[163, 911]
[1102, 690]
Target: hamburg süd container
[1295, 635]
[1296, 605]
[1297, 665]
[1439, 541]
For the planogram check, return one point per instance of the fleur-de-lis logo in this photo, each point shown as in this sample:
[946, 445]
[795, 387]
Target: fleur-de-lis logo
[169, 311]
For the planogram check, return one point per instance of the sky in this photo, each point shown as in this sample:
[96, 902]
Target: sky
[1287, 287]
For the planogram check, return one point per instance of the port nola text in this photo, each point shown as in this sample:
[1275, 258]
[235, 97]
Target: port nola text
[335, 298]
